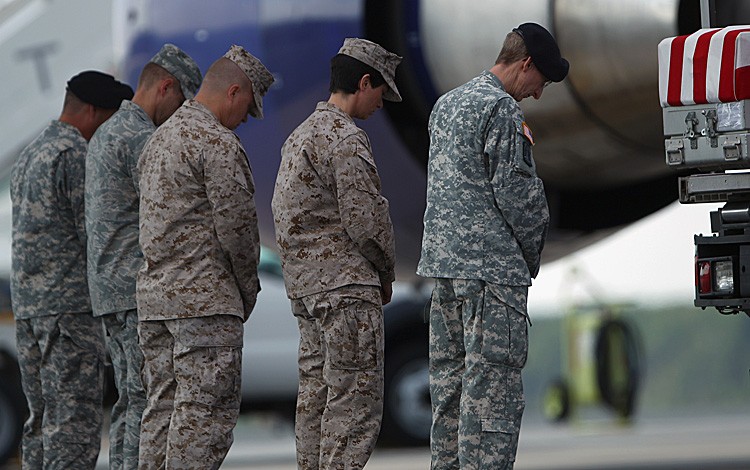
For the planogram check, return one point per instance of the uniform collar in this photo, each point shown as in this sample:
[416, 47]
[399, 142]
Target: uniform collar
[129, 106]
[66, 127]
[326, 106]
[493, 78]
[201, 108]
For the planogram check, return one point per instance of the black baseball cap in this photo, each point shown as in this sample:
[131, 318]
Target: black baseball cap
[99, 89]
[544, 51]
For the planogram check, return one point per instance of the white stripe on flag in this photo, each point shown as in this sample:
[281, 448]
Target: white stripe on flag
[713, 72]
[713, 66]
[686, 96]
[742, 58]
[665, 58]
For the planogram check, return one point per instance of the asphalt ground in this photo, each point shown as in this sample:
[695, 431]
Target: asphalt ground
[711, 442]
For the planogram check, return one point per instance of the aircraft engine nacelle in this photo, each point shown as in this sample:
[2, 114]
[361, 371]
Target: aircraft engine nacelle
[599, 142]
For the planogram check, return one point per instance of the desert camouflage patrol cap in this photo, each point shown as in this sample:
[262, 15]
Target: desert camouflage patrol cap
[175, 61]
[377, 57]
[258, 74]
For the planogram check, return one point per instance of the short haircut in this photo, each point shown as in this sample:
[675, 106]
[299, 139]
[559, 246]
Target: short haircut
[72, 104]
[152, 74]
[346, 72]
[514, 49]
[224, 73]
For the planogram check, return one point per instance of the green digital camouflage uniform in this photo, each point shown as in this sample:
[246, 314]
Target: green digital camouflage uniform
[335, 239]
[60, 344]
[484, 229]
[114, 256]
[199, 282]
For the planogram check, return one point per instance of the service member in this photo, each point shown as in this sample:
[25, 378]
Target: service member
[60, 344]
[484, 228]
[335, 238]
[199, 282]
[114, 256]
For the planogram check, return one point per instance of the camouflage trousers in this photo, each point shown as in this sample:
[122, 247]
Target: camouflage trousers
[192, 370]
[478, 346]
[340, 398]
[62, 372]
[121, 329]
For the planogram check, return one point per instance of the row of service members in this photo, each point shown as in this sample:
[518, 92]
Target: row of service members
[169, 202]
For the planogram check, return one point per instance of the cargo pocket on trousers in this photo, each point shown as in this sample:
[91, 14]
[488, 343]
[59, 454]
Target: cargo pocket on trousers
[217, 371]
[76, 384]
[504, 333]
[498, 442]
[354, 337]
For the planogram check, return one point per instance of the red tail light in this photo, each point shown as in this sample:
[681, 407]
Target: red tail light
[703, 276]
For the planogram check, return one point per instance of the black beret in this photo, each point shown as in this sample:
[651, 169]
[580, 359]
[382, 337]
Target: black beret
[544, 52]
[99, 89]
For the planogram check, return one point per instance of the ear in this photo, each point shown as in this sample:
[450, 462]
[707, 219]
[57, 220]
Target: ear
[232, 91]
[527, 64]
[364, 82]
[165, 85]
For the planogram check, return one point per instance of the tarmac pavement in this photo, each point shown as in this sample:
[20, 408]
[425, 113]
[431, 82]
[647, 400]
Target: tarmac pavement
[711, 442]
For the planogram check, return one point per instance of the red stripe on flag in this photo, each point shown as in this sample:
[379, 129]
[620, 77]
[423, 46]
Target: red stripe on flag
[674, 86]
[700, 65]
[742, 83]
[726, 74]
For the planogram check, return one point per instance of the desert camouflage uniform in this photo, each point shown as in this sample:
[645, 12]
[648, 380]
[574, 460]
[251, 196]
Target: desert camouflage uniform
[60, 344]
[335, 239]
[485, 225]
[114, 259]
[199, 236]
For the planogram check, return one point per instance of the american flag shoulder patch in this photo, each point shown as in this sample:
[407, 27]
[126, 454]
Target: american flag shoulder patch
[527, 132]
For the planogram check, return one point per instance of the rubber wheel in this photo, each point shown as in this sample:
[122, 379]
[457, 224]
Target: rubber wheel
[618, 366]
[407, 412]
[12, 410]
[556, 402]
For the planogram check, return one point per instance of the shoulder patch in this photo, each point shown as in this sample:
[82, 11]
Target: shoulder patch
[527, 132]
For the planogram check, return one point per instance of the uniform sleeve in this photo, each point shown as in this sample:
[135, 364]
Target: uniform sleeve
[518, 191]
[230, 191]
[364, 211]
[131, 160]
[71, 178]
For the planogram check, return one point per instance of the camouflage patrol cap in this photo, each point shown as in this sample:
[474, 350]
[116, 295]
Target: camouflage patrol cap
[258, 74]
[175, 61]
[377, 57]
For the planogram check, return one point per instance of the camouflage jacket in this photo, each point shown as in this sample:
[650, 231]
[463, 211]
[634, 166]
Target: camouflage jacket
[114, 256]
[486, 215]
[48, 254]
[198, 224]
[332, 224]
